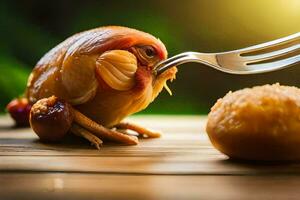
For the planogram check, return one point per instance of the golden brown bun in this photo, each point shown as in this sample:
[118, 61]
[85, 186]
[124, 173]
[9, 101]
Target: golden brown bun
[259, 123]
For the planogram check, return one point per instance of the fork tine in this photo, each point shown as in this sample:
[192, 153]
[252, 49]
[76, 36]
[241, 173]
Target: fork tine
[272, 66]
[274, 54]
[172, 59]
[273, 43]
[177, 57]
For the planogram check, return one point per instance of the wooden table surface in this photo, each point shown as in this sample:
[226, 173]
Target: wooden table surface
[180, 165]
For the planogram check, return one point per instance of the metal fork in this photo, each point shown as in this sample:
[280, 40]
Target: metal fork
[234, 62]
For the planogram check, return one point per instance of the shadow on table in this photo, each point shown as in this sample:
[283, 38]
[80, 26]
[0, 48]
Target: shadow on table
[9, 127]
[256, 162]
[250, 167]
[12, 136]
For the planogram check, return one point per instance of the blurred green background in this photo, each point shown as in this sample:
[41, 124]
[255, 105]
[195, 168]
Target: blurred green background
[30, 28]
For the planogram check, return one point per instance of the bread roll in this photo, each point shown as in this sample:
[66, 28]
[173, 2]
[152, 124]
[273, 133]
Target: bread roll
[259, 123]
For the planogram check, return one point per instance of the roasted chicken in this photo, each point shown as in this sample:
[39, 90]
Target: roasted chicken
[105, 74]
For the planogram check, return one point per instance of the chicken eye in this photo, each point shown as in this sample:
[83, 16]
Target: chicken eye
[149, 51]
[147, 55]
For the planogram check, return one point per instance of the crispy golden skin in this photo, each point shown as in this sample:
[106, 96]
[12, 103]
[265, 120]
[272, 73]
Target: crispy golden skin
[259, 123]
[98, 72]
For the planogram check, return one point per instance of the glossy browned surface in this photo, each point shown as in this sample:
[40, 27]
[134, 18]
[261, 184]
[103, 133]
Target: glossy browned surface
[259, 123]
[51, 119]
[180, 165]
[73, 71]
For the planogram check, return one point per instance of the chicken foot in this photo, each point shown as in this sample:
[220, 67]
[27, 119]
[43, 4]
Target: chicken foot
[79, 131]
[143, 132]
[100, 131]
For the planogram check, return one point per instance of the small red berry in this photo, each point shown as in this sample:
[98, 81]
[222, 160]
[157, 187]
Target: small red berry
[19, 110]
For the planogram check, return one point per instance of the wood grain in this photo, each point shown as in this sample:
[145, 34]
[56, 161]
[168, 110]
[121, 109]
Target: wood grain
[183, 149]
[180, 165]
[100, 186]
